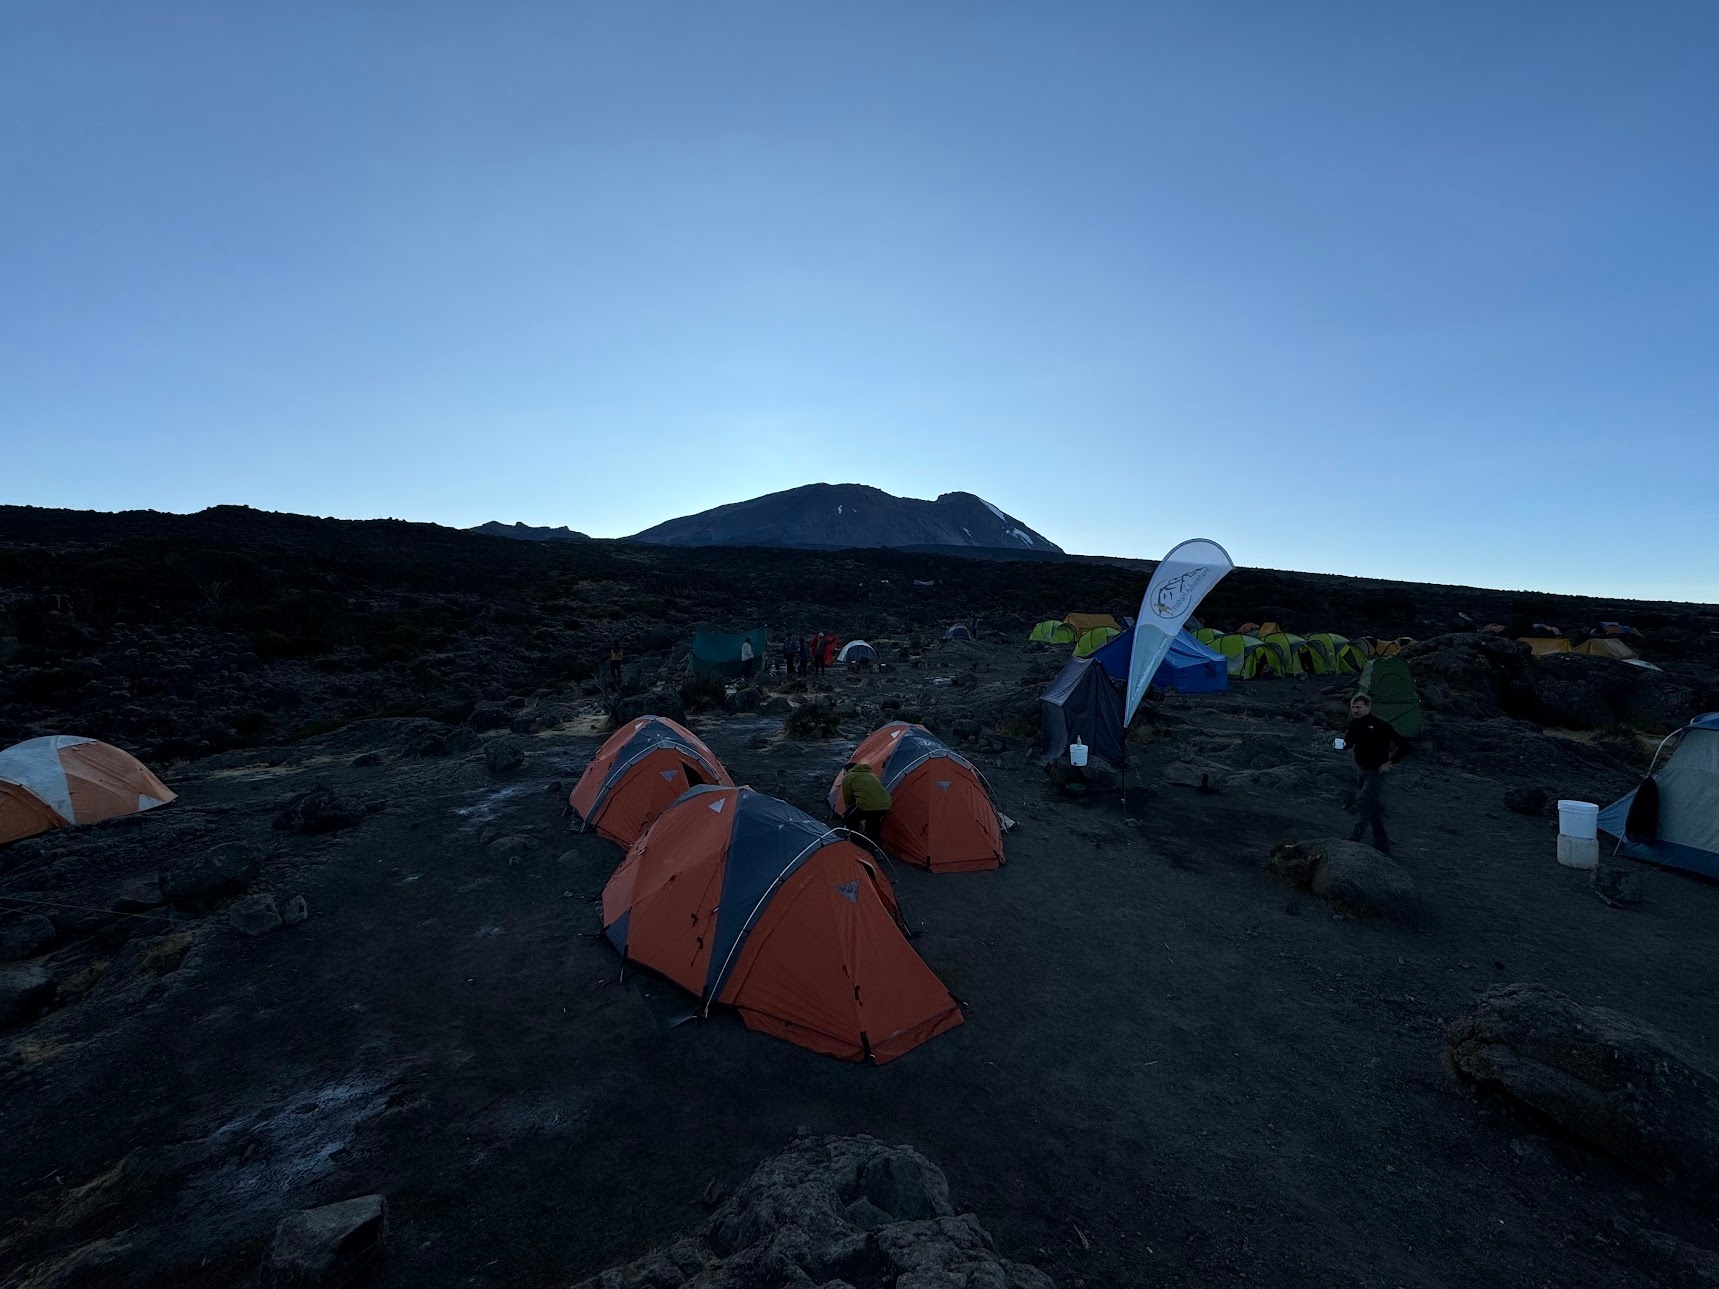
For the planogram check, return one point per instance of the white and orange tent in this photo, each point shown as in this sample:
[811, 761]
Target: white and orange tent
[62, 779]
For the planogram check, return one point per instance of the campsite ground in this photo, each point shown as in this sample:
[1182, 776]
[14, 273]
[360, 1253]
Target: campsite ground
[1174, 1070]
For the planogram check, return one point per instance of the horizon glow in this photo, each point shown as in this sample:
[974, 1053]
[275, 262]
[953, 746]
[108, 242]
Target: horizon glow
[1423, 296]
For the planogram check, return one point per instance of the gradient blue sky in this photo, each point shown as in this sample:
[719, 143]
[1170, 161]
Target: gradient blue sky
[1422, 291]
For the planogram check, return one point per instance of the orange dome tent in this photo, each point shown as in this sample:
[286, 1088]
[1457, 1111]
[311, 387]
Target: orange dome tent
[62, 779]
[644, 766]
[745, 901]
[942, 818]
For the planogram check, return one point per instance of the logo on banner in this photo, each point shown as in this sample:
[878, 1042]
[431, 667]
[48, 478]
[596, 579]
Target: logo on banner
[1177, 596]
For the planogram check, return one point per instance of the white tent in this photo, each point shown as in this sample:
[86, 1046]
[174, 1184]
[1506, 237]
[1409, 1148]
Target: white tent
[1672, 817]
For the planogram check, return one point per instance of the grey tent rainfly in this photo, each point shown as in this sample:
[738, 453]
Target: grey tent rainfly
[1672, 816]
[1081, 703]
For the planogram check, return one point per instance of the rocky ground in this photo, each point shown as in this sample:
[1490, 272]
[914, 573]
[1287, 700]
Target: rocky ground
[357, 959]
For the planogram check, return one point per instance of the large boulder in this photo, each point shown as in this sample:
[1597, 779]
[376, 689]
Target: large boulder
[220, 871]
[25, 935]
[661, 701]
[254, 915]
[829, 1211]
[503, 755]
[1525, 801]
[1352, 878]
[24, 991]
[1610, 1080]
[318, 810]
[327, 1247]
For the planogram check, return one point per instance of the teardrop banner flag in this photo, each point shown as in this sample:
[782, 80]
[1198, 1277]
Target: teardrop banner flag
[1177, 587]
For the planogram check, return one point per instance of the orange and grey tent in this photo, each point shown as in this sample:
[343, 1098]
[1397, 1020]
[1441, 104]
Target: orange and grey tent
[942, 817]
[61, 780]
[747, 902]
[643, 767]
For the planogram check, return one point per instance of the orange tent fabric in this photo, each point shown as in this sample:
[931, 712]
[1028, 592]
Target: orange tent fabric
[745, 901]
[941, 818]
[1084, 622]
[644, 766]
[63, 779]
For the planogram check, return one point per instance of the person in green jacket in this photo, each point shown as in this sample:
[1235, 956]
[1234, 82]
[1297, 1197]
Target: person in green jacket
[866, 800]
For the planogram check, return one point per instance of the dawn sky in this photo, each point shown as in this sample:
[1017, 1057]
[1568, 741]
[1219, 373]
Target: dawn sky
[1416, 291]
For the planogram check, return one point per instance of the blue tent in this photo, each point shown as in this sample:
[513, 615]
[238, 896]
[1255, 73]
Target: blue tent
[1189, 668]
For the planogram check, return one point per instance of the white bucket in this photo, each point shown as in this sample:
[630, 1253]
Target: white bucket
[1578, 852]
[1578, 819]
[1077, 753]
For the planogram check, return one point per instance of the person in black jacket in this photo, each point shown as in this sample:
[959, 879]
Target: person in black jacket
[1377, 748]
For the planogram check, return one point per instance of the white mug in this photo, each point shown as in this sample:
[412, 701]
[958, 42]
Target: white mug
[1339, 744]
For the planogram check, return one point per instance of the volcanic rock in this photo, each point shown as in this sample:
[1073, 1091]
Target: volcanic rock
[1610, 1080]
[24, 991]
[1525, 801]
[254, 915]
[222, 870]
[1352, 878]
[327, 1247]
[318, 810]
[503, 755]
[661, 701]
[834, 1210]
[25, 935]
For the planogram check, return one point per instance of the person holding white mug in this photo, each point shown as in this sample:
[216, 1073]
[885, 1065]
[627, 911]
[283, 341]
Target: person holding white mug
[1377, 748]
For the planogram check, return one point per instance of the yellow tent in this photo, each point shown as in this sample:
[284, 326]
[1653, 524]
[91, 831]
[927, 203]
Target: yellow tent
[1605, 647]
[1543, 645]
[1084, 622]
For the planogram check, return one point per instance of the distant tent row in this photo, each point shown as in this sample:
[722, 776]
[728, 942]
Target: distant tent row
[748, 902]
[1087, 632]
[1604, 646]
[1279, 653]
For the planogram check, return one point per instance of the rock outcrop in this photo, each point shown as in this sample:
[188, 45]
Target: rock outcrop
[833, 1211]
[1352, 878]
[327, 1247]
[1607, 1079]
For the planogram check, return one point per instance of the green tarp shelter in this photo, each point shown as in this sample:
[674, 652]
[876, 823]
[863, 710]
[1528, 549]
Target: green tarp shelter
[1388, 683]
[715, 653]
[1051, 631]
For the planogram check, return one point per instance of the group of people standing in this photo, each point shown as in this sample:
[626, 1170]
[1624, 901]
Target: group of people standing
[802, 657]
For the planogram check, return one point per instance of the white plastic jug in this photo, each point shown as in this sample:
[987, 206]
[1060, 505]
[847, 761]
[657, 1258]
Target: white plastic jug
[1578, 818]
[1077, 753]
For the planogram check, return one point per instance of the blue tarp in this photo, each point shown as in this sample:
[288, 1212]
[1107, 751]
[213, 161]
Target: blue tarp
[1189, 668]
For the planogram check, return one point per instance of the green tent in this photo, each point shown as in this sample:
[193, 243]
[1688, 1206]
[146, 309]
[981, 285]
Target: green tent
[1051, 631]
[1283, 653]
[715, 653]
[1388, 683]
[1326, 654]
[1243, 655]
[1094, 640]
[1208, 636]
